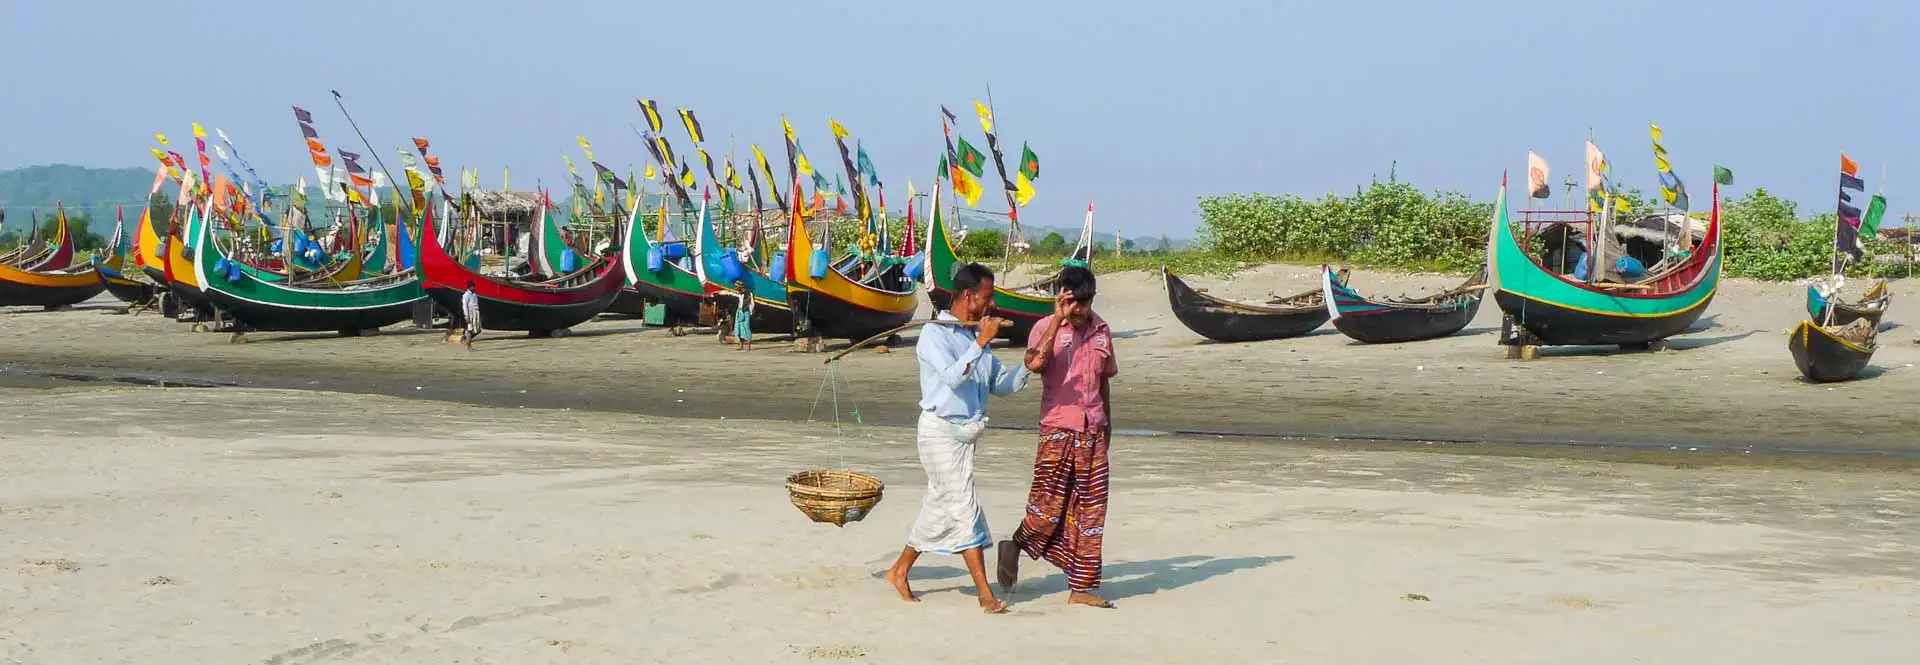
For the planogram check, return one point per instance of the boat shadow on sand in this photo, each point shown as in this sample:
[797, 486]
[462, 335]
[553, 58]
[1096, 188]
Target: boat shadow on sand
[1128, 579]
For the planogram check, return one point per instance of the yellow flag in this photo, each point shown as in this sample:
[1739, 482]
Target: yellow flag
[599, 197]
[651, 174]
[162, 138]
[585, 147]
[157, 154]
[1655, 130]
[789, 127]
[965, 187]
[568, 160]
[199, 133]
[986, 116]
[686, 176]
[800, 162]
[1022, 189]
[910, 193]
[839, 130]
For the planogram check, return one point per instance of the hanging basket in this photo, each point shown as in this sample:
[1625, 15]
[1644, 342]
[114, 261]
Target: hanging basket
[834, 496]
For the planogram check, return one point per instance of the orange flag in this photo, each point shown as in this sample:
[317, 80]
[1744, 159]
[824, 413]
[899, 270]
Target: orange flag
[1848, 167]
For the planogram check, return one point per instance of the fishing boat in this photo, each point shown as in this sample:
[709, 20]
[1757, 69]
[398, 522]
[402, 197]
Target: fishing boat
[55, 254]
[652, 269]
[1394, 320]
[540, 308]
[131, 289]
[722, 273]
[47, 286]
[1871, 305]
[832, 305]
[1223, 320]
[1827, 354]
[257, 304]
[1551, 309]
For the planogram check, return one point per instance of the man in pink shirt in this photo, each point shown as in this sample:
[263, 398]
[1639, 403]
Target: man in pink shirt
[1072, 351]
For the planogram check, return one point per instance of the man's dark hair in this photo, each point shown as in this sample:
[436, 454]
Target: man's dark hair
[968, 277]
[1079, 282]
[469, 283]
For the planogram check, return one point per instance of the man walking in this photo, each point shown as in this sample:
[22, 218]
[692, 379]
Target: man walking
[470, 316]
[1066, 514]
[956, 376]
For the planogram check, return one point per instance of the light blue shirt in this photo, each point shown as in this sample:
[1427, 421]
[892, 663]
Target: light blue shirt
[956, 375]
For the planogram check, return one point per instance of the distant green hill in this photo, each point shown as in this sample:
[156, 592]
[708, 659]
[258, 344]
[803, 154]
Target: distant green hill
[35, 189]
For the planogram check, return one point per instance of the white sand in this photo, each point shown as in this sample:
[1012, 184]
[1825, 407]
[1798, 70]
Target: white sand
[238, 526]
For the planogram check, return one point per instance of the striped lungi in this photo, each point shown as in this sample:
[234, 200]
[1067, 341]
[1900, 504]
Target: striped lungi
[951, 519]
[1066, 518]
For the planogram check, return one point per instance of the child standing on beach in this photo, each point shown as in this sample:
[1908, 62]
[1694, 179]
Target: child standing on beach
[743, 318]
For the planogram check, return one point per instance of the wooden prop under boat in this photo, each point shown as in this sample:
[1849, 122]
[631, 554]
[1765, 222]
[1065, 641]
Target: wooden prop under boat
[672, 286]
[263, 305]
[771, 313]
[536, 307]
[1870, 306]
[1557, 310]
[1021, 309]
[1826, 354]
[1393, 320]
[1223, 320]
[834, 305]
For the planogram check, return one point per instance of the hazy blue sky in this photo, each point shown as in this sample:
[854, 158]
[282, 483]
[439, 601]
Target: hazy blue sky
[1138, 106]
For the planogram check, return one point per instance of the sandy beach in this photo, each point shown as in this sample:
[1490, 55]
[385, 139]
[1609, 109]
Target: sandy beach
[1727, 384]
[288, 528]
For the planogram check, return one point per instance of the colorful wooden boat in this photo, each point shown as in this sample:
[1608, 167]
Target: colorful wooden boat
[131, 289]
[1022, 310]
[1824, 354]
[1871, 306]
[49, 289]
[656, 277]
[770, 311]
[1223, 320]
[1391, 320]
[257, 304]
[829, 304]
[540, 308]
[1556, 310]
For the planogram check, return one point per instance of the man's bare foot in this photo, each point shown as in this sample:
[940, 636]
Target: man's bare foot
[899, 582]
[1007, 565]
[1088, 599]
[993, 606]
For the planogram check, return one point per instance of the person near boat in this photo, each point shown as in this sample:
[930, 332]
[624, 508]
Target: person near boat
[469, 316]
[743, 317]
[957, 374]
[1066, 512]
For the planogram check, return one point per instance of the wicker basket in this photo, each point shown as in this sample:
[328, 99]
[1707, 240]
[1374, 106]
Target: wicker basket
[834, 497]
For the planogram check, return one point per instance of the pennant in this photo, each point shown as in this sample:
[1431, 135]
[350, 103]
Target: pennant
[986, 117]
[788, 126]
[162, 138]
[1849, 181]
[805, 167]
[820, 183]
[569, 161]
[971, 159]
[1022, 188]
[1029, 163]
[686, 176]
[866, 166]
[607, 176]
[839, 130]
[1876, 209]
[733, 177]
[652, 111]
[302, 115]
[1848, 167]
[964, 186]
[199, 133]
[1722, 175]
[707, 160]
[585, 147]
[1596, 167]
[693, 126]
[950, 116]
[650, 173]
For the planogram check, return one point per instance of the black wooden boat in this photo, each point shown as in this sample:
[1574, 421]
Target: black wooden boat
[1870, 306]
[1397, 320]
[1826, 354]
[1224, 320]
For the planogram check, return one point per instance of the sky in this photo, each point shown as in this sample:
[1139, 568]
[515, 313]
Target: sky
[1137, 107]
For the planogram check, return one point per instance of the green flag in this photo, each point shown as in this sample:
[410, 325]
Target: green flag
[971, 159]
[1029, 163]
[1722, 175]
[1876, 209]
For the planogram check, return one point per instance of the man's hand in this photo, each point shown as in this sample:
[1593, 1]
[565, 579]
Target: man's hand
[1062, 303]
[989, 329]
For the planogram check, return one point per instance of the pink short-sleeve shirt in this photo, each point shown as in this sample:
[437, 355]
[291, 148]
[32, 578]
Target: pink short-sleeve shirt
[1070, 386]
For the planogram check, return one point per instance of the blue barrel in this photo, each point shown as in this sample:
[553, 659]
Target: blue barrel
[569, 261]
[916, 267]
[220, 266]
[819, 268]
[655, 262]
[778, 267]
[730, 270]
[675, 250]
[233, 271]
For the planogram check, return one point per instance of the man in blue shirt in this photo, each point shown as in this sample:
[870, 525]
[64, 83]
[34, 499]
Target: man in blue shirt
[956, 376]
